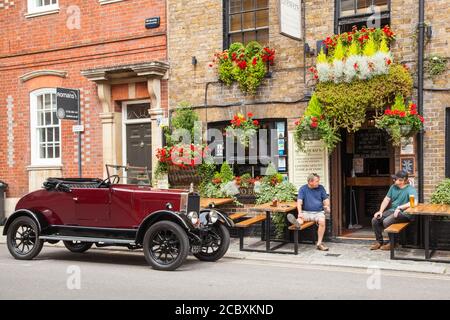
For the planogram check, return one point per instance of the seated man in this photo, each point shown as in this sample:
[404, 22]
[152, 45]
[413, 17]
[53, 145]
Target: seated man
[398, 198]
[312, 203]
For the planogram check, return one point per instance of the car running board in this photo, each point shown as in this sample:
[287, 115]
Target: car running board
[88, 239]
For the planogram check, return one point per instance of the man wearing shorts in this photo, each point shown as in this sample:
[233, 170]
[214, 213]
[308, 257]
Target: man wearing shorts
[312, 203]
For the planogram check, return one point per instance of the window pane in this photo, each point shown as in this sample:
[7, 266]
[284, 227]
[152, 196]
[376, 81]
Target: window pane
[249, 36]
[138, 111]
[248, 4]
[235, 22]
[49, 134]
[237, 37]
[262, 3]
[42, 149]
[347, 7]
[57, 151]
[57, 134]
[262, 36]
[41, 135]
[47, 102]
[262, 18]
[55, 118]
[363, 6]
[40, 102]
[48, 118]
[50, 151]
[235, 6]
[248, 20]
[53, 99]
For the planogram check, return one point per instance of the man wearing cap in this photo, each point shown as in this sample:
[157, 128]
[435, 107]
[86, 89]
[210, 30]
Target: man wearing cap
[397, 201]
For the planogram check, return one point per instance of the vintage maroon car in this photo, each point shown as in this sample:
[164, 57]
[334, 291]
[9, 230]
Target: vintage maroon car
[167, 224]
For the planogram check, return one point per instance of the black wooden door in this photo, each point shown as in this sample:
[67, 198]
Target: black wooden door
[139, 145]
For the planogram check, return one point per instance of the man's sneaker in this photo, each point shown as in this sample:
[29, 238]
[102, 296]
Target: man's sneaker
[375, 246]
[321, 247]
[291, 218]
[386, 247]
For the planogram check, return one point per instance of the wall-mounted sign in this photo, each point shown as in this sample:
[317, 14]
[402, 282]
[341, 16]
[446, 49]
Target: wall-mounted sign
[78, 128]
[152, 23]
[408, 164]
[290, 18]
[67, 104]
[314, 160]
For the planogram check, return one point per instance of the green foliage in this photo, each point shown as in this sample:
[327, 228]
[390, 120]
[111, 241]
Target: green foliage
[383, 45]
[226, 173]
[185, 118]
[442, 193]
[370, 48]
[314, 108]
[339, 52]
[322, 57]
[345, 104]
[353, 50]
[435, 65]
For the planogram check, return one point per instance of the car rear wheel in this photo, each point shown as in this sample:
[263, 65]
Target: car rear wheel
[78, 246]
[23, 239]
[215, 244]
[166, 245]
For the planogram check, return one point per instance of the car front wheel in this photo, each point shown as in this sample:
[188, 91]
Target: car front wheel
[215, 244]
[78, 246]
[166, 245]
[23, 239]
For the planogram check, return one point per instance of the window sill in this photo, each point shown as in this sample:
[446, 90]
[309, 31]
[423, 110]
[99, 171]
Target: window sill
[41, 13]
[102, 2]
[40, 167]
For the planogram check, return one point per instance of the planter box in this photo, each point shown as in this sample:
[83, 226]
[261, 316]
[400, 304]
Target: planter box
[183, 177]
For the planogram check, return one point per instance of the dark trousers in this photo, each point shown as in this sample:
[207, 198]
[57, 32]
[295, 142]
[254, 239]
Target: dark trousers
[378, 225]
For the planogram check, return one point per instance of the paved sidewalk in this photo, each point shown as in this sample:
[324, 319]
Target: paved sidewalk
[340, 255]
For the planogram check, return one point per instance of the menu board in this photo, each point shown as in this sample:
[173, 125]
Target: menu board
[371, 143]
[313, 160]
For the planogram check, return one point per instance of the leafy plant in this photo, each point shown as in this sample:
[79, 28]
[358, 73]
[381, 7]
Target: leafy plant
[442, 193]
[314, 122]
[435, 65]
[243, 128]
[400, 121]
[244, 64]
[185, 118]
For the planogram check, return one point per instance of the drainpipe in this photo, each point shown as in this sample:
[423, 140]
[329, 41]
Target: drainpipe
[420, 91]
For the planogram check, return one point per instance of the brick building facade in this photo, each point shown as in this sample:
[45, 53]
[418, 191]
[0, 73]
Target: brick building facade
[201, 28]
[101, 48]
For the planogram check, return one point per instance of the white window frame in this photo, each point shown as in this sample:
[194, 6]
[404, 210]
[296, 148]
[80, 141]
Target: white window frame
[36, 160]
[34, 10]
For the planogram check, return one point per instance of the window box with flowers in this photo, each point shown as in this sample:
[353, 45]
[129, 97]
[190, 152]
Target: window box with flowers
[246, 65]
[315, 125]
[400, 121]
[243, 128]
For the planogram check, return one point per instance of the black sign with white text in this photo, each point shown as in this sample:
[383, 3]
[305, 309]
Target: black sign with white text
[67, 103]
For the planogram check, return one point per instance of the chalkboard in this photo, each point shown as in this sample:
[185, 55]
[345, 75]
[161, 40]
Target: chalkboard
[371, 143]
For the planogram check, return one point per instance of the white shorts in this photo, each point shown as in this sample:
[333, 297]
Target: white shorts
[313, 216]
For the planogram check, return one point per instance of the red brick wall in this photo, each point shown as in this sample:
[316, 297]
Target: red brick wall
[112, 34]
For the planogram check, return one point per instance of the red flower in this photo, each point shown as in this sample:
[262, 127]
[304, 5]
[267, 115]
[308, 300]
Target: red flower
[314, 125]
[421, 118]
[388, 61]
[250, 115]
[355, 66]
[242, 64]
[238, 123]
[254, 61]
[388, 112]
[255, 122]
[210, 65]
[233, 56]
[413, 106]
[297, 122]
[413, 112]
[349, 38]
[314, 119]
[402, 114]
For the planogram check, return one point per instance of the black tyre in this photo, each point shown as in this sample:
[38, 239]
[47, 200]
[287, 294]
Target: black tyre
[215, 244]
[23, 239]
[78, 246]
[166, 245]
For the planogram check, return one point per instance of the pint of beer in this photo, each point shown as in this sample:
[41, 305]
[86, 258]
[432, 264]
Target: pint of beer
[411, 201]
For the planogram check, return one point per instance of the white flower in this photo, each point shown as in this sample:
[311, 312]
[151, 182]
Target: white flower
[230, 189]
[338, 71]
[323, 72]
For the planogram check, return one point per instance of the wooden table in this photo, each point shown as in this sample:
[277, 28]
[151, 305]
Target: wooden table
[426, 212]
[213, 202]
[282, 207]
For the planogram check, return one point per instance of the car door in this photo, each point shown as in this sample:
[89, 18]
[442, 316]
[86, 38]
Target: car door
[92, 206]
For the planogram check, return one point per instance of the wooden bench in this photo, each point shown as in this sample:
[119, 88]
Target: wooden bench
[245, 224]
[393, 230]
[297, 230]
[237, 215]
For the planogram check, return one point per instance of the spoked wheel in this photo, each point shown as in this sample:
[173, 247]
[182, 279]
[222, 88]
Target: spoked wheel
[78, 246]
[166, 245]
[215, 244]
[23, 239]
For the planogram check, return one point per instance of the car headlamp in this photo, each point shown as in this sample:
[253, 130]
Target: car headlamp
[213, 217]
[193, 216]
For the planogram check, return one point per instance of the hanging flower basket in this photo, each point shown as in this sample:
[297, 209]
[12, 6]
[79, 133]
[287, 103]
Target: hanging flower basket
[243, 128]
[400, 121]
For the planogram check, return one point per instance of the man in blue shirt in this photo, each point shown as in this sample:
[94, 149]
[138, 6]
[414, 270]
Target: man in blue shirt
[312, 203]
[396, 200]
